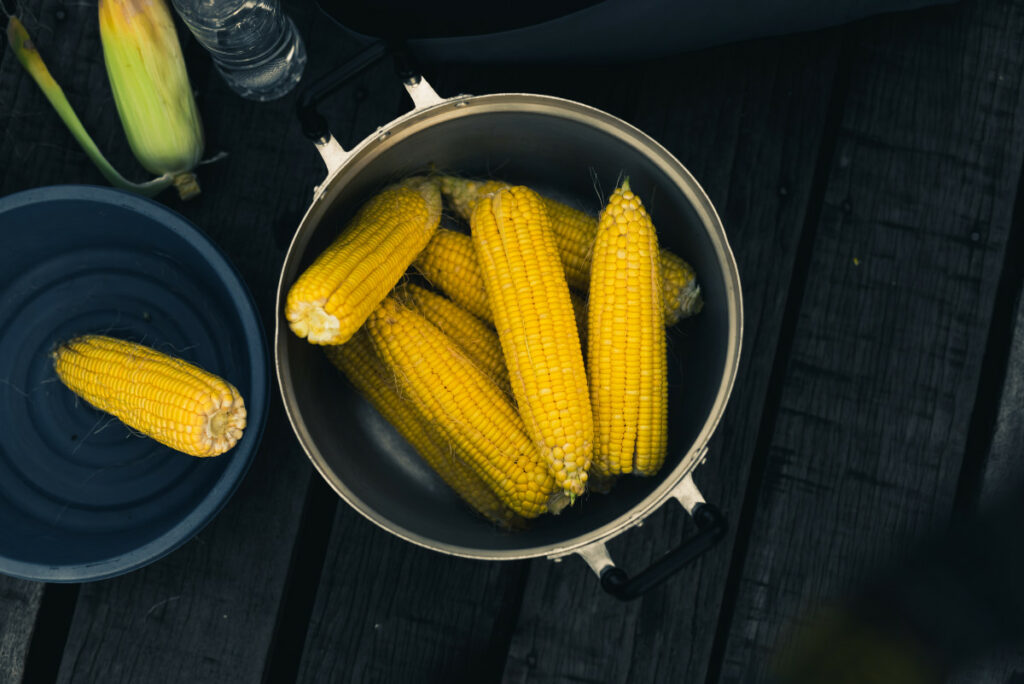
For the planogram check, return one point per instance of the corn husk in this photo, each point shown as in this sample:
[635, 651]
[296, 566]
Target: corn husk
[151, 88]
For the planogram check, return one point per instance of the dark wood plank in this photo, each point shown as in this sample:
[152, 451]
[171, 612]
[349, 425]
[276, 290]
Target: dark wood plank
[1006, 666]
[387, 611]
[884, 367]
[207, 612]
[748, 121]
[19, 604]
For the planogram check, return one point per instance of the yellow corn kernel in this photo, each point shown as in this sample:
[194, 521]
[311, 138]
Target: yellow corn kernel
[567, 224]
[534, 318]
[574, 235]
[334, 296]
[172, 401]
[358, 360]
[449, 263]
[626, 351]
[473, 336]
[466, 406]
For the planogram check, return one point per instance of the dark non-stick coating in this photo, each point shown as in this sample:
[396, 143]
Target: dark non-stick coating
[562, 155]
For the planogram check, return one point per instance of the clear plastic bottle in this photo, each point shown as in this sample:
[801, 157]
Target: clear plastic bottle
[254, 44]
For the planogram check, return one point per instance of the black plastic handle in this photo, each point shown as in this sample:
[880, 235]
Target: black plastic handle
[314, 125]
[712, 527]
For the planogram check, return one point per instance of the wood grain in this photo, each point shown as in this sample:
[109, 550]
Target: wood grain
[388, 611]
[884, 367]
[748, 121]
[19, 604]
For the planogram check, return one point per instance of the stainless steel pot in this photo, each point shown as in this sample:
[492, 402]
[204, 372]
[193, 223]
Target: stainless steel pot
[564, 149]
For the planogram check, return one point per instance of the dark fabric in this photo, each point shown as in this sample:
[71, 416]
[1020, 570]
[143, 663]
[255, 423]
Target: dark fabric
[608, 31]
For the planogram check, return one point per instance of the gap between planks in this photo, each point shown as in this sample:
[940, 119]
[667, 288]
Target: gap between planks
[307, 564]
[971, 490]
[53, 624]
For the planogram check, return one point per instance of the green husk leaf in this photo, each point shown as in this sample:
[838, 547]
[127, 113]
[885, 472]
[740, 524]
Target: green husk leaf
[27, 54]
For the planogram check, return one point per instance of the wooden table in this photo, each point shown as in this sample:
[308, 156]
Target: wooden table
[868, 178]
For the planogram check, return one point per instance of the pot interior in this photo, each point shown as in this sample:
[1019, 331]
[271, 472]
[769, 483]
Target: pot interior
[565, 151]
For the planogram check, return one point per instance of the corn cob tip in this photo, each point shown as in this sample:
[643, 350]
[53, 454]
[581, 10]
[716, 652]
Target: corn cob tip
[309, 320]
[688, 302]
[681, 293]
[225, 425]
[333, 297]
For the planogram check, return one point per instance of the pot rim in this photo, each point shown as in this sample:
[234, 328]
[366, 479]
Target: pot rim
[437, 111]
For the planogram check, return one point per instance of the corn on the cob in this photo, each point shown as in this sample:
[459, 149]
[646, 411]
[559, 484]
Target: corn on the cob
[172, 401]
[449, 262]
[534, 318]
[574, 235]
[471, 334]
[466, 406]
[626, 354]
[358, 360]
[335, 295]
[151, 88]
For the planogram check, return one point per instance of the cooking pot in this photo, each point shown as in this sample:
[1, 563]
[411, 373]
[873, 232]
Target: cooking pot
[566, 150]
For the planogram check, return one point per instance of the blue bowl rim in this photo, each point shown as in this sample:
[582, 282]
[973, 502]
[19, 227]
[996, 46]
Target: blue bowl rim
[255, 336]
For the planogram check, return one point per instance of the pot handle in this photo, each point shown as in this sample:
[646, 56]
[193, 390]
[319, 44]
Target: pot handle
[314, 125]
[711, 525]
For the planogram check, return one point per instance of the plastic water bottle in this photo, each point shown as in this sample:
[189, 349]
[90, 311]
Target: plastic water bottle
[254, 44]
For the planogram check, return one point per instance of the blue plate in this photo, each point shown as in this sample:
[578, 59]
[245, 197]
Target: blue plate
[82, 497]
